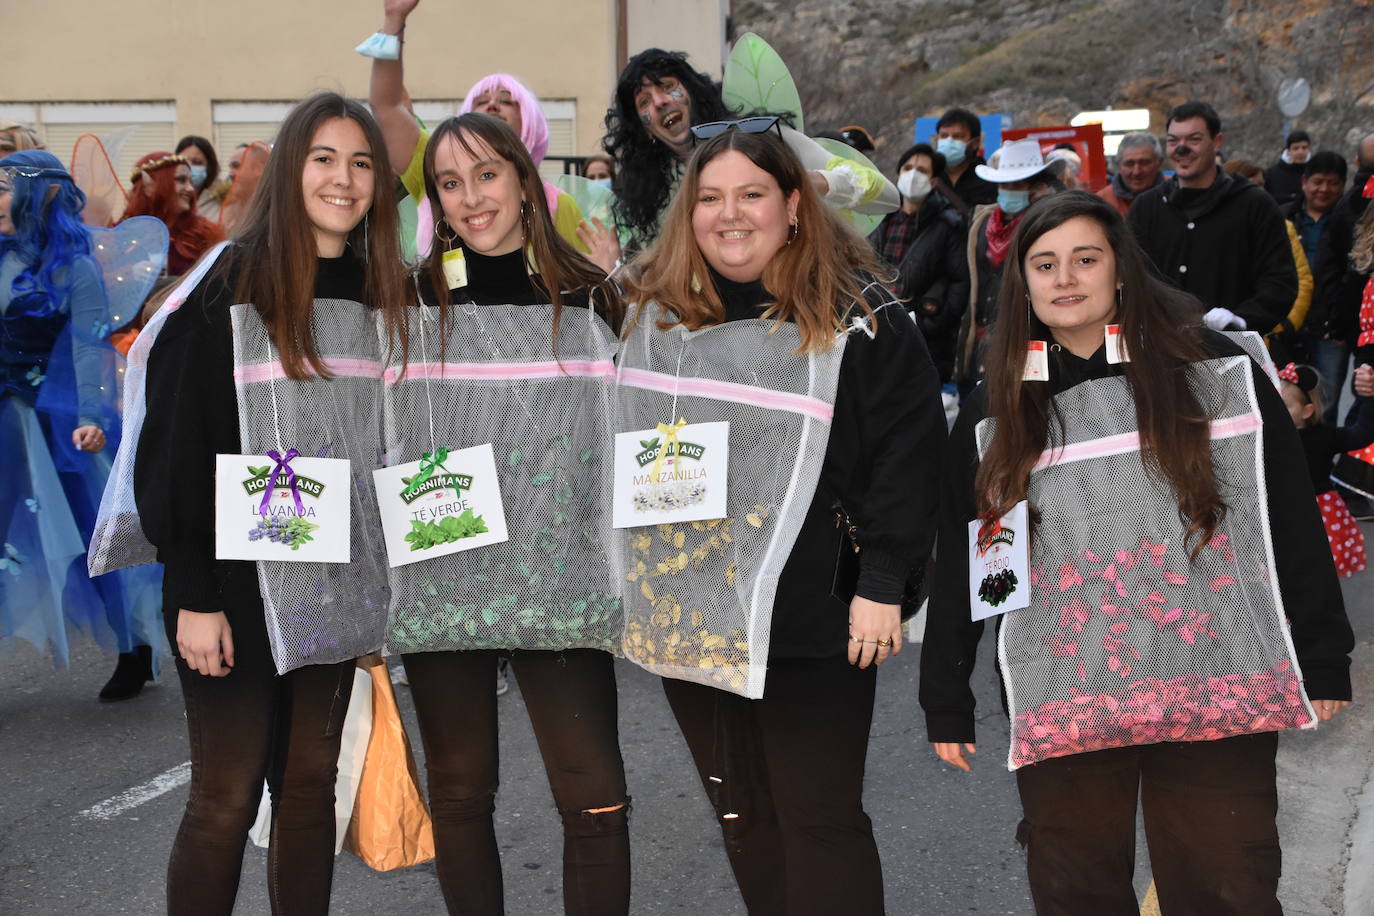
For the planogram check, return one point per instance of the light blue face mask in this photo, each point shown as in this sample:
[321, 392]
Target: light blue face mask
[604, 182]
[953, 150]
[197, 175]
[1012, 202]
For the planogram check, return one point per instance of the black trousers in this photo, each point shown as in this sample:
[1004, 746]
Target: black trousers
[1209, 809]
[571, 700]
[785, 775]
[245, 727]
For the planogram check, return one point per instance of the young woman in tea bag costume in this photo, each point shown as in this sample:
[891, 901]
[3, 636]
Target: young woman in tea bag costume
[513, 348]
[757, 307]
[317, 256]
[1179, 577]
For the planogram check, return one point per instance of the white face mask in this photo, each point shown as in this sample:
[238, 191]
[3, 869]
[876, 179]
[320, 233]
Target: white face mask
[914, 185]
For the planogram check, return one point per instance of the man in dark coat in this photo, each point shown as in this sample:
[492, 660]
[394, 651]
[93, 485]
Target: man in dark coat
[1216, 236]
[1283, 179]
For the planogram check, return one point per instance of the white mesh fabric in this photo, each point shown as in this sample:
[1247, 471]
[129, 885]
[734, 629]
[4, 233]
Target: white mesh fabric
[699, 595]
[318, 613]
[1252, 343]
[497, 380]
[1126, 640]
[118, 541]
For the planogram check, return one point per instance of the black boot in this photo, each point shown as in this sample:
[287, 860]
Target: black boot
[133, 671]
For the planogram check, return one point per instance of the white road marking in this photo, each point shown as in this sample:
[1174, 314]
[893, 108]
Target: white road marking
[160, 784]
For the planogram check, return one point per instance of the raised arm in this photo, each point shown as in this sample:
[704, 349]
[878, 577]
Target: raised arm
[387, 92]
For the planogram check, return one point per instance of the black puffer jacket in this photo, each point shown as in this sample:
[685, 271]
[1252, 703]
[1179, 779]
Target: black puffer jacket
[933, 279]
[1225, 244]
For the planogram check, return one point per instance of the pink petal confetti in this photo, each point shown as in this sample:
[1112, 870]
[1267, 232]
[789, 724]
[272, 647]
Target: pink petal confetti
[1069, 577]
[1218, 540]
[1170, 617]
[1221, 582]
[1108, 574]
[1113, 663]
[1125, 671]
[1082, 673]
[1174, 578]
[1187, 635]
[1120, 627]
[1120, 589]
[1126, 559]
[1091, 557]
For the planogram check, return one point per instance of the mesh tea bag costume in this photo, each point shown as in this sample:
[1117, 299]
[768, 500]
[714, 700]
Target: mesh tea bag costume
[494, 375]
[1125, 641]
[316, 613]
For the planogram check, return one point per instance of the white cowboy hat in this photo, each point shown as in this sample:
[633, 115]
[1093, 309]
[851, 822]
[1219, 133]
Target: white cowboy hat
[1019, 159]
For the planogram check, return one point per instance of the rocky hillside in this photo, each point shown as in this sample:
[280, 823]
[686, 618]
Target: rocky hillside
[882, 63]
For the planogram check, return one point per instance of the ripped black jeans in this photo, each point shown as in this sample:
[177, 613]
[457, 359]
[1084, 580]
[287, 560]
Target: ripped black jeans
[245, 727]
[571, 700]
[785, 775]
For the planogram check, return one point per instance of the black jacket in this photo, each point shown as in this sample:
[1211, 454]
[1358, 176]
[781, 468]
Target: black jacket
[933, 278]
[1307, 578]
[1226, 244]
[882, 463]
[970, 190]
[1336, 298]
[1283, 181]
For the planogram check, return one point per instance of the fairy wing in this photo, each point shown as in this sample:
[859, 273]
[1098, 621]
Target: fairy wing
[757, 80]
[251, 168]
[131, 258]
[594, 200]
[94, 173]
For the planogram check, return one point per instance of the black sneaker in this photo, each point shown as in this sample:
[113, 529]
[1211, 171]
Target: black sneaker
[133, 671]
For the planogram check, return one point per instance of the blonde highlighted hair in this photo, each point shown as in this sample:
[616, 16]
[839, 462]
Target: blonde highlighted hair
[815, 279]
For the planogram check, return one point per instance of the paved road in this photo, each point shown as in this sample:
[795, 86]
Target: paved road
[946, 838]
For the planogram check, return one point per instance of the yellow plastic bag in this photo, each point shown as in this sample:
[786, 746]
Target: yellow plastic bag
[390, 828]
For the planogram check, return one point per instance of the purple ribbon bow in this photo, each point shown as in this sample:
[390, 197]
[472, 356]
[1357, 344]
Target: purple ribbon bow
[283, 466]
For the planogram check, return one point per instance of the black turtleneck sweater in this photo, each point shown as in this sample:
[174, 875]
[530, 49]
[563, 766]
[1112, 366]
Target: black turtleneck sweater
[193, 416]
[1307, 578]
[882, 464]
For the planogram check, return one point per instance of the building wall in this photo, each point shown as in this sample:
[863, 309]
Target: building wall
[230, 70]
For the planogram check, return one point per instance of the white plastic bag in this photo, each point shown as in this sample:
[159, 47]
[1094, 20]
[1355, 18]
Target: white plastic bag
[357, 732]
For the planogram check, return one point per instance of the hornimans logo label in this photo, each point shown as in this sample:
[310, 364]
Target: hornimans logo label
[455, 482]
[1002, 535]
[258, 482]
[685, 449]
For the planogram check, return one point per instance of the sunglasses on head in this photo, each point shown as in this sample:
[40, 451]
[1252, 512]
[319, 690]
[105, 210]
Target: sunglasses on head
[758, 125]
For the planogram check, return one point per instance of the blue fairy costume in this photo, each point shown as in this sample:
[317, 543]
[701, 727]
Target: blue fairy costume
[63, 288]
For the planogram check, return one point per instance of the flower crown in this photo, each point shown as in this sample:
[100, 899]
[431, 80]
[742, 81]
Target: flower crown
[156, 164]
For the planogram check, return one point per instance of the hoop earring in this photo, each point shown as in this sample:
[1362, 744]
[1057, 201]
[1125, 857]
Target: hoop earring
[1118, 295]
[440, 236]
[365, 218]
[525, 220]
[793, 232]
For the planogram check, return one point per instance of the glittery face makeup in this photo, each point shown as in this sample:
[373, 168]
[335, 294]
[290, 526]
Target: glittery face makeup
[664, 109]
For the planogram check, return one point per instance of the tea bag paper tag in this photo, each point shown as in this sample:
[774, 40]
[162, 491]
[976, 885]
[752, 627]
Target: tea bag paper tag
[444, 503]
[663, 477]
[999, 564]
[283, 507]
[1037, 367]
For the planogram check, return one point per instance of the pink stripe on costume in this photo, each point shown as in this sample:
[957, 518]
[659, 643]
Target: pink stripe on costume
[480, 372]
[345, 368]
[728, 391]
[1108, 446]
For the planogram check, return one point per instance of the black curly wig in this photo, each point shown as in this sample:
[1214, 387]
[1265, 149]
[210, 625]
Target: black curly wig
[645, 168]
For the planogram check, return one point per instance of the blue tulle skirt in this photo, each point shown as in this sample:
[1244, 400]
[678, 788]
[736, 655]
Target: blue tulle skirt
[49, 495]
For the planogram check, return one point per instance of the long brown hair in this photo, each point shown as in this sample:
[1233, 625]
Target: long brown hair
[275, 243]
[1159, 327]
[561, 267]
[812, 280]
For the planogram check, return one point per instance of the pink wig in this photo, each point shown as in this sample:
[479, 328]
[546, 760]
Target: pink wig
[534, 133]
